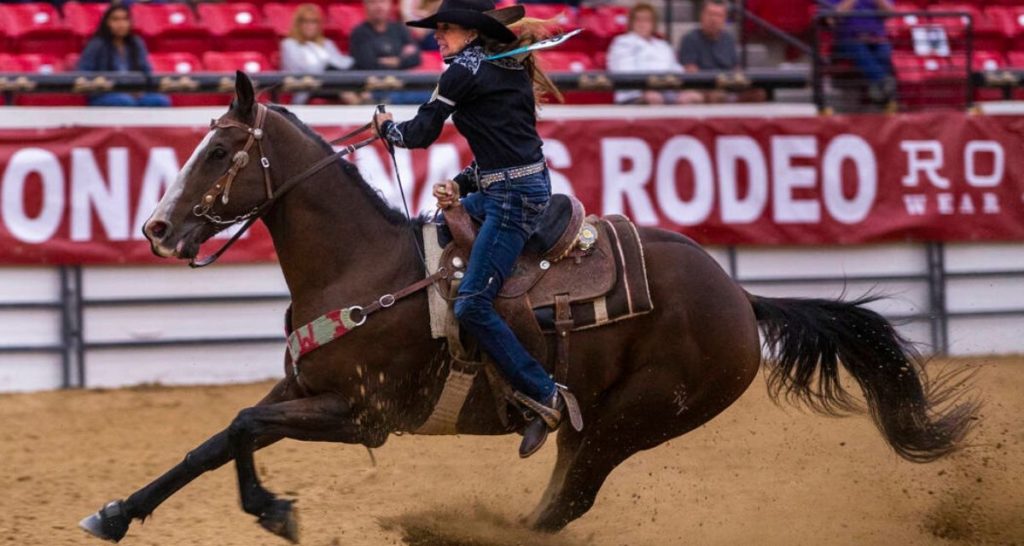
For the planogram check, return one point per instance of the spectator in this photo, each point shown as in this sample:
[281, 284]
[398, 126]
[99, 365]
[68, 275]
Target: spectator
[639, 50]
[862, 40]
[115, 48]
[381, 43]
[712, 47]
[307, 51]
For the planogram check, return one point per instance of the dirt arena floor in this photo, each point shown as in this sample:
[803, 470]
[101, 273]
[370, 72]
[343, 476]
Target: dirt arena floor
[758, 474]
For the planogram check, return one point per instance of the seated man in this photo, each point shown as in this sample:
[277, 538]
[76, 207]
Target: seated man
[381, 43]
[862, 40]
[711, 47]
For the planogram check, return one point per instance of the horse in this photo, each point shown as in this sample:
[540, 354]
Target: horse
[639, 383]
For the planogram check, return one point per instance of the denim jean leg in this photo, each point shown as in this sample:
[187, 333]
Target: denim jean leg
[497, 246]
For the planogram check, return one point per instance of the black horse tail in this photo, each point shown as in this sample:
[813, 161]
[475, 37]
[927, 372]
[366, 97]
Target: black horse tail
[809, 338]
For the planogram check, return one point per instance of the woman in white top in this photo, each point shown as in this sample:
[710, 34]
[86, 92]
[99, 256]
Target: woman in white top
[639, 50]
[307, 51]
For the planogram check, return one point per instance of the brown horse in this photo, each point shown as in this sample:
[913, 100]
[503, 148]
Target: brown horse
[639, 382]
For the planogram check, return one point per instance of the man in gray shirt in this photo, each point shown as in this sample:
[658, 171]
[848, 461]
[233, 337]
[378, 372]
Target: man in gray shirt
[712, 47]
[709, 47]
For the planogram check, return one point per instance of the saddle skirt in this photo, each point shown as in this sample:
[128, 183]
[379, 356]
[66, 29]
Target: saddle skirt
[577, 272]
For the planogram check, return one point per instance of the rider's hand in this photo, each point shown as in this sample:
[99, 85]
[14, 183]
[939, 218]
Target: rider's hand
[446, 193]
[378, 120]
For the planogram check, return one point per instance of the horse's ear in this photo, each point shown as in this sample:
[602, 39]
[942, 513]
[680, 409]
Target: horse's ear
[245, 95]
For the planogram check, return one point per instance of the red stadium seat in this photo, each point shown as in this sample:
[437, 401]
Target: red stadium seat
[1015, 59]
[430, 61]
[600, 24]
[36, 28]
[988, 60]
[39, 63]
[341, 20]
[170, 27]
[562, 17]
[956, 28]
[83, 18]
[1015, 24]
[279, 16]
[792, 16]
[238, 27]
[247, 61]
[565, 61]
[178, 63]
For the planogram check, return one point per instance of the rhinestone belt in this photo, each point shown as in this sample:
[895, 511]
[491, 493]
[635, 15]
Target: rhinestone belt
[513, 173]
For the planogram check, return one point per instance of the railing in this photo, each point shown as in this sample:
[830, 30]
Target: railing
[12, 84]
[75, 346]
[929, 53]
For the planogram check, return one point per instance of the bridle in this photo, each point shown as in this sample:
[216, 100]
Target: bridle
[222, 187]
[239, 160]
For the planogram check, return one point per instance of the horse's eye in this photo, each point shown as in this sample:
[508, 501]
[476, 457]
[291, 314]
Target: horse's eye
[218, 153]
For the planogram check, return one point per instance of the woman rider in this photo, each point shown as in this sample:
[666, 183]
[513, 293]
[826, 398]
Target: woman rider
[493, 105]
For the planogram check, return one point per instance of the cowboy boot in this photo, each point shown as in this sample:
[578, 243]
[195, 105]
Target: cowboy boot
[546, 418]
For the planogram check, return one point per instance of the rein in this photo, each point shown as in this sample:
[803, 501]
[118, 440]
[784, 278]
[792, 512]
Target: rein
[222, 187]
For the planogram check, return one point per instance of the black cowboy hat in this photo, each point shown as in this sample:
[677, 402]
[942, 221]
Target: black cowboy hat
[475, 14]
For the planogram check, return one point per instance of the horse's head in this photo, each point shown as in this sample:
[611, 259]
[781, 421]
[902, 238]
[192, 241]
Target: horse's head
[225, 179]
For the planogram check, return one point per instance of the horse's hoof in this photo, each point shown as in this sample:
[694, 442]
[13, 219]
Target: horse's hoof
[110, 523]
[281, 519]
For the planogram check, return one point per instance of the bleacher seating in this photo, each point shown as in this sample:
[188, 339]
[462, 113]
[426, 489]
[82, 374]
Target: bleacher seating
[83, 18]
[238, 27]
[179, 63]
[230, 61]
[36, 28]
[566, 61]
[341, 20]
[170, 27]
[279, 16]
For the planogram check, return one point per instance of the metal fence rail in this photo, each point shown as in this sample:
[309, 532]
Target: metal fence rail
[75, 349]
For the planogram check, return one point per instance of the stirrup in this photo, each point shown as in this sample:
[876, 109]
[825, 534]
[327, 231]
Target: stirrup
[551, 415]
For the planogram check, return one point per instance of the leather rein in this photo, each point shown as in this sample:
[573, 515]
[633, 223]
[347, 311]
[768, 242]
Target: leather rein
[221, 188]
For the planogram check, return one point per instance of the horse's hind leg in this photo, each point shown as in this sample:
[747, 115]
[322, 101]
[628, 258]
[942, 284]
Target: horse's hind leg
[112, 521]
[637, 416]
[321, 418]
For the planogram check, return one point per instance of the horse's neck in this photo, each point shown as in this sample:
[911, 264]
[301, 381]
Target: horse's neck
[331, 239]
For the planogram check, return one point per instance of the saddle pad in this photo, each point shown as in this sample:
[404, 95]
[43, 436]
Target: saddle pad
[631, 295]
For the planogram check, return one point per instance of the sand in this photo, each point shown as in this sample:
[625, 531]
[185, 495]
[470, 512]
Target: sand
[758, 474]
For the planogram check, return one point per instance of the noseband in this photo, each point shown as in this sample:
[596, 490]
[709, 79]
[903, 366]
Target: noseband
[222, 187]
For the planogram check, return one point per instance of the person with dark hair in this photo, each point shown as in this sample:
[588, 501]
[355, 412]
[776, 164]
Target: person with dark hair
[493, 103]
[115, 48]
[862, 39]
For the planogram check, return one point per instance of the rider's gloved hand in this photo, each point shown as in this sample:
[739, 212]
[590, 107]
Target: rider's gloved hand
[378, 121]
[446, 193]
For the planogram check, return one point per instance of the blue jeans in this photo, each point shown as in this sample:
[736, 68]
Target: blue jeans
[127, 99]
[873, 59]
[509, 210]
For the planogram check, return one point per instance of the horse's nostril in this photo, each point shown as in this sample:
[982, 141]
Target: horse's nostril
[157, 229]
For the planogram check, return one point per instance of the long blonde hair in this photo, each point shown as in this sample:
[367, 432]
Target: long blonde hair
[530, 31]
[301, 12]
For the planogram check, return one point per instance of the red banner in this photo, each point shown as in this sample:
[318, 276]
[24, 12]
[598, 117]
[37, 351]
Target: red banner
[80, 195]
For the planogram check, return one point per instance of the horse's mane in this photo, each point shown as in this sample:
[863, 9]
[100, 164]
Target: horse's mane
[391, 214]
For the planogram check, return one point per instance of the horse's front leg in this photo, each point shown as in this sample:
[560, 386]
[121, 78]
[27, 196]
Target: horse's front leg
[321, 418]
[111, 522]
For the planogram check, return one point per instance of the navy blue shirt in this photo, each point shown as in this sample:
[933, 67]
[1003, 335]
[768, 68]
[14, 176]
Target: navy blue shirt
[103, 56]
[492, 105]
